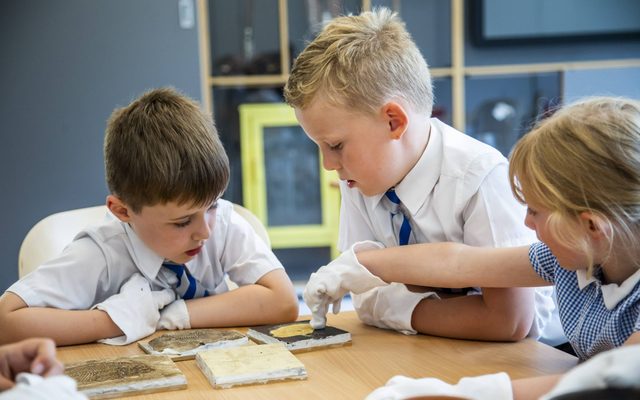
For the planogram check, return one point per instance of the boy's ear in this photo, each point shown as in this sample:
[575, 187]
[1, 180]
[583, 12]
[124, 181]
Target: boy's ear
[118, 208]
[396, 117]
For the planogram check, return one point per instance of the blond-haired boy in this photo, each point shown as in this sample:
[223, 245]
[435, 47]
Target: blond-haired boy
[362, 92]
[173, 237]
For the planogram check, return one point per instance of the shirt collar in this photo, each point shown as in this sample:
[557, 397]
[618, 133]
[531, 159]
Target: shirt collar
[612, 293]
[147, 261]
[420, 181]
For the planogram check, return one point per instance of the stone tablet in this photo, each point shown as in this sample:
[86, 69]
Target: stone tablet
[183, 345]
[124, 376]
[300, 336]
[245, 365]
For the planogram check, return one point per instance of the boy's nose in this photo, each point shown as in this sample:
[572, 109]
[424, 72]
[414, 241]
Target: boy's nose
[330, 162]
[204, 230]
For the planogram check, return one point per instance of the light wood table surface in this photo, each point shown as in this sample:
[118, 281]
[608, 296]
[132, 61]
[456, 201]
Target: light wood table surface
[353, 371]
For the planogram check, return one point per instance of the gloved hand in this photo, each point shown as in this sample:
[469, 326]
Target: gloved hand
[331, 282]
[483, 387]
[618, 368]
[174, 316]
[34, 387]
[389, 307]
[135, 309]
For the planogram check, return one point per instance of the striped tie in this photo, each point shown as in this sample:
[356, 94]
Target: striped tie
[186, 287]
[405, 227]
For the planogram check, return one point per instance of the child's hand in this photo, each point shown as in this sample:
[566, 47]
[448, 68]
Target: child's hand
[174, 316]
[619, 368]
[37, 356]
[315, 296]
[135, 309]
[331, 282]
[483, 387]
[390, 307]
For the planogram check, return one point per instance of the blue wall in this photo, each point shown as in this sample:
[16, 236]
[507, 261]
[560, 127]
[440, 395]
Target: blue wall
[64, 66]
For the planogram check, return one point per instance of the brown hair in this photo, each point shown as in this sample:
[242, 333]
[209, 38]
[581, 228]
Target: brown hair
[162, 147]
[586, 157]
[361, 62]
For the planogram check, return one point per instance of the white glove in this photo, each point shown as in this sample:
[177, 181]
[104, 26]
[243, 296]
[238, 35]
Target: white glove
[135, 309]
[619, 368]
[34, 387]
[174, 316]
[483, 387]
[389, 307]
[331, 282]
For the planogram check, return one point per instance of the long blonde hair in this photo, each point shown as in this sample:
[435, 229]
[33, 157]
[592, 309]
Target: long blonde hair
[586, 157]
[361, 62]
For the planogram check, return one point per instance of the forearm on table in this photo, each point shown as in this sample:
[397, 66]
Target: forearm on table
[533, 388]
[65, 327]
[497, 314]
[246, 305]
[633, 339]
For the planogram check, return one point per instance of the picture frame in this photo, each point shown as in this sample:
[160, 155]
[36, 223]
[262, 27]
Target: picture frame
[283, 181]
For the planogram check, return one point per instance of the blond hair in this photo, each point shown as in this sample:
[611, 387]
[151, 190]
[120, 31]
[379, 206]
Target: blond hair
[361, 62]
[162, 147]
[585, 158]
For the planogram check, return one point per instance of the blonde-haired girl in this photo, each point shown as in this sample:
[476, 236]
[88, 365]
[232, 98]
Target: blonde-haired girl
[579, 174]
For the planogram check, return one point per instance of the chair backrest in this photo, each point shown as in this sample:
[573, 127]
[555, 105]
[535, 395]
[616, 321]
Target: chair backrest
[52, 234]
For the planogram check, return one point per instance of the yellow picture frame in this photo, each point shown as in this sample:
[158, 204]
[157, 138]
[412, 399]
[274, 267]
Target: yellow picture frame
[254, 118]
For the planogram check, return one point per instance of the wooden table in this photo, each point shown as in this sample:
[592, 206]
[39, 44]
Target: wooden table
[351, 372]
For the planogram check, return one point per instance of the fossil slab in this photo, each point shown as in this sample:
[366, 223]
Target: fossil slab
[245, 365]
[300, 336]
[123, 376]
[183, 345]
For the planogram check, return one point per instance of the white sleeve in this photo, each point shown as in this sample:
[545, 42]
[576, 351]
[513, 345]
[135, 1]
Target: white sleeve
[245, 257]
[71, 281]
[354, 227]
[492, 216]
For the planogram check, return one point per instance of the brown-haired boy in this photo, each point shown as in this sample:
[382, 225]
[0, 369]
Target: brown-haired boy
[172, 237]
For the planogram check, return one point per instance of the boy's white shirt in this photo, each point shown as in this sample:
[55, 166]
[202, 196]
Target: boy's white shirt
[101, 258]
[458, 191]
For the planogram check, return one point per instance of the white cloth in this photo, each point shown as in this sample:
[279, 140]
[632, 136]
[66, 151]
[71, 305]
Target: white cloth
[174, 316]
[101, 258]
[483, 387]
[618, 368]
[135, 309]
[390, 307]
[458, 191]
[35, 387]
[331, 282]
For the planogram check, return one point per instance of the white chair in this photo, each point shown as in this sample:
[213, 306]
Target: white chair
[49, 236]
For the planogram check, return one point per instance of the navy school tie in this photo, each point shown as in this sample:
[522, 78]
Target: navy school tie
[405, 230]
[405, 227]
[186, 287]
